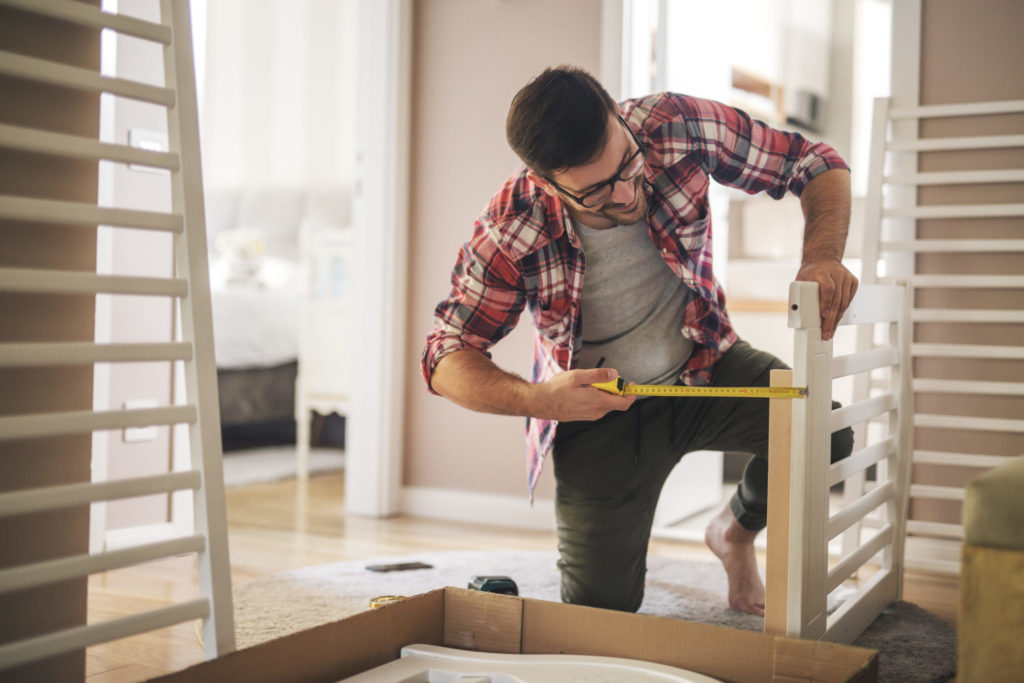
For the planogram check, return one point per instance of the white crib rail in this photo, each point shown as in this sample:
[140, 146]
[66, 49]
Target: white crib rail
[800, 476]
[189, 287]
[890, 238]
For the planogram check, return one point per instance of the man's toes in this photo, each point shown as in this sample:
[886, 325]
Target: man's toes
[743, 604]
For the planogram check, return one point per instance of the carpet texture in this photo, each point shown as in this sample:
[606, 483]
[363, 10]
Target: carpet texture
[914, 645]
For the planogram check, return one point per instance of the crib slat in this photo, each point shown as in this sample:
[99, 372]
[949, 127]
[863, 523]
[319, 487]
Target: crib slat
[45, 71]
[936, 492]
[968, 281]
[77, 213]
[74, 146]
[849, 564]
[983, 424]
[956, 177]
[41, 647]
[956, 386]
[860, 460]
[67, 282]
[58, 497]
[863, 361]
[949, 315]
[937, 246]
[84, 353]
[942, 529]
[952, 143]
[956, 211]
[42, 573]
[967, 351]
[841, 418]
[960, 459]
[839, 522]
[933, 111]
[857, 613]
[76, 422]
[89, 15]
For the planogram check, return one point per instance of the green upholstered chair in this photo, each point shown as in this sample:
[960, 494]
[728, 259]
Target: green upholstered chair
[991, 618]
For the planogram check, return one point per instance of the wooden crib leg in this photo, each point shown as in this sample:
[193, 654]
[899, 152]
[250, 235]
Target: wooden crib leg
[780, 432]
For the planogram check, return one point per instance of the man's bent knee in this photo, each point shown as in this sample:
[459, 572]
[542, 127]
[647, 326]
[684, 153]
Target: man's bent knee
[623, 596]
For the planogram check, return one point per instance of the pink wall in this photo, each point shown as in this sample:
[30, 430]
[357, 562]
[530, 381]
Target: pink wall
[970, 52]
[30, 318]
[469, 59]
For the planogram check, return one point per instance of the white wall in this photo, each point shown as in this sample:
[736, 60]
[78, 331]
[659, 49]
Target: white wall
[279, 94]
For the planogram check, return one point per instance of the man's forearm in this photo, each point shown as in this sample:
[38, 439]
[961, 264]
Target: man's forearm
[826, 206]
[472, 380]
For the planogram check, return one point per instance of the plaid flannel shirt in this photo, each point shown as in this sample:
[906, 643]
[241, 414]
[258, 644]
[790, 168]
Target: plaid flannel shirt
[525, 253]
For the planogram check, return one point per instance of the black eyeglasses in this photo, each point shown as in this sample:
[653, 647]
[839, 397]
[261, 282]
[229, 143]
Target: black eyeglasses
[603, 191]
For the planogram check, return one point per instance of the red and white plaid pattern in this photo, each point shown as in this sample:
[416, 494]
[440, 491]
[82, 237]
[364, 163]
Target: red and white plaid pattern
[524, 251]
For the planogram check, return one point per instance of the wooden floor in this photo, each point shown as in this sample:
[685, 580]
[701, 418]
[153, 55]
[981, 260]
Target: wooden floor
[287, 525]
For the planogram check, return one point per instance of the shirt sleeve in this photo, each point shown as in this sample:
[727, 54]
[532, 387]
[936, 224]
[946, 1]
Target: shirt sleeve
[482, 307]
[750, 155]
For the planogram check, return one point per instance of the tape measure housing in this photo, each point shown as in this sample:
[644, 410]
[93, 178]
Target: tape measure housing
[619, 387]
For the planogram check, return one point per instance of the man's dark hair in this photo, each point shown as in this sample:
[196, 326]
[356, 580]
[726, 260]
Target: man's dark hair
[559, 120]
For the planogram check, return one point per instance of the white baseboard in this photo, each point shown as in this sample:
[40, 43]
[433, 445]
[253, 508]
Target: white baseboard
[510, 511]
[478, 508]
[116, 539]
[937, 555]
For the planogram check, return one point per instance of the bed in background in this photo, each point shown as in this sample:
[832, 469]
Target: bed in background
[257, 282]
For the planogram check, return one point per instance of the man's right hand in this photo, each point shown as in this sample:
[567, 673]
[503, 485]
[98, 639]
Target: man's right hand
[568, 396]
[470, 379]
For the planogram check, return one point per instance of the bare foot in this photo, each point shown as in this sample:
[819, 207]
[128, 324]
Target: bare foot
[734, 546]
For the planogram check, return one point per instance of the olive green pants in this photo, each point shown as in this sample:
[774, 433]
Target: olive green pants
[609, 474]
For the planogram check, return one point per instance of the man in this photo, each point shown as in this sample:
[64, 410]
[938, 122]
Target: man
[605, 236]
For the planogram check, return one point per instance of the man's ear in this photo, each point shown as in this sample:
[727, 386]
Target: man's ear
[542, 183]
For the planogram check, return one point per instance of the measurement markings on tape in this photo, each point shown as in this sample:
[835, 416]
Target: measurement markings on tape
[618, 386]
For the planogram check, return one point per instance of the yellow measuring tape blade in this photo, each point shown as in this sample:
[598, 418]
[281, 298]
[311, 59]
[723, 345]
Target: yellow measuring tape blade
[619, 387]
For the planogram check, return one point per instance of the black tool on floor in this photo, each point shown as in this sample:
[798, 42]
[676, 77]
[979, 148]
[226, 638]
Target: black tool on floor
[494, 584]
[398, 567]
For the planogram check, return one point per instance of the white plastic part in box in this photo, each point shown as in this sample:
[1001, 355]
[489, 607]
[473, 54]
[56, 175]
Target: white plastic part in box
[433, 664]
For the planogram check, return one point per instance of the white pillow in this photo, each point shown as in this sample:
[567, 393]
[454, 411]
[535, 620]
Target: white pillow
[242, 256]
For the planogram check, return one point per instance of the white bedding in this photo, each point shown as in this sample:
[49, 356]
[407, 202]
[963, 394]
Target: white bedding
[255, 322]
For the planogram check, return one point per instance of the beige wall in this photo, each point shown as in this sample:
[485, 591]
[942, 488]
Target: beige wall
[25, 317]
[469, 59]
[970, 52]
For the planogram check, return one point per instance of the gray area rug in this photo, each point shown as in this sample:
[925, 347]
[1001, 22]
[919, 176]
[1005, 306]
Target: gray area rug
[275, 463]
[914, 645]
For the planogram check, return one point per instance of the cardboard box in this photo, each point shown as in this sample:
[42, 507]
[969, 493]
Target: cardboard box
[472, 620]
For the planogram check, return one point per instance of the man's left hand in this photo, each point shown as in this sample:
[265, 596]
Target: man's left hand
[836, 287]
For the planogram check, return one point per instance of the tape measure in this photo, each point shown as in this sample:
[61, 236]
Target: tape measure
[381, 600]
[619, 387]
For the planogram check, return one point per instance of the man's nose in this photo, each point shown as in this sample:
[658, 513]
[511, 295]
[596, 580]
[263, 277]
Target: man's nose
[623, 192]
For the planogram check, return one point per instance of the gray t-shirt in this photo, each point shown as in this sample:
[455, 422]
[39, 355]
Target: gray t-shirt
[632, 306]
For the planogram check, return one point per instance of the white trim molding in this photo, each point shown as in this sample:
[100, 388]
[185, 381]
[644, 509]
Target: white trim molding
[479, 508]
[612, 64]
[381, 208]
